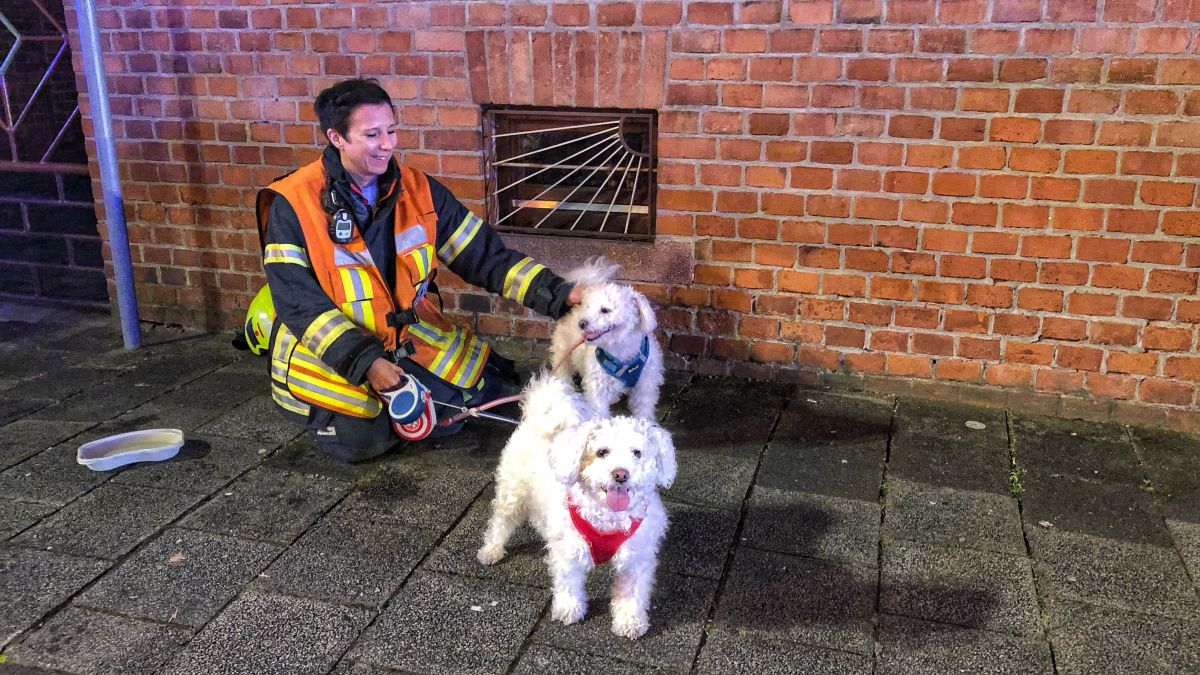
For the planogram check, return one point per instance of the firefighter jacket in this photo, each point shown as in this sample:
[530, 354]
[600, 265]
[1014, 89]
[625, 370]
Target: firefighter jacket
[341, 306]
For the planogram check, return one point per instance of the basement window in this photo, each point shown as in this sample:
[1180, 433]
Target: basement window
[571, 171]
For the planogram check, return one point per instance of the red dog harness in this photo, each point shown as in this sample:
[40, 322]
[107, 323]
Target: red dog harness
[604, 545]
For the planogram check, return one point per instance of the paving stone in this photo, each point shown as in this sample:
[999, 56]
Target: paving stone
[34, 582]
[195, 403]
[1075, 448]
[30, 362]
[728, 652]
[710, 430]
[976, 589]
[18, 516]
[1187, 541]
[418, 496]
[257, 419]
[948, 420]
[949, 517]
[261, 634]
[1136, 577]
[815, 417]
[982, 466]
[300, 456]
[540, 659]
[103, 401]
[678, 609]
[23, 439]
[1177, 491]
[698, 540]
[53, 476]
[90, 339]
[851, 470]
[1113, 510]
[82, 641]
[62, 383]
[348, 561]
[713, 416]
[13, 409]
[780, 597]
[203, 464]
[270, 505]
[1166, 449]
[705, 479]
[476, 447]
[443, 624]
[524, 563]
[1092, 639]
[914, 647]
[184, 577]
[815, 526]
[109, 521]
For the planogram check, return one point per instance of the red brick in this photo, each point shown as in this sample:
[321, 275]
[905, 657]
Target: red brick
[1102, 249]
[1060, 190]
[1118, 276]
[1040, 299]
[1186, 367]
[1028, 353]
[1166, 338]
[1060, 328]
[1161, 193]
[909, 366]
[1109, 191]
[1092, 304]
[1166, 392]
[1159, 252]
[1078, 358]
[1022, 70]
[1039, 101]
[1171, 281]
[1014, 129]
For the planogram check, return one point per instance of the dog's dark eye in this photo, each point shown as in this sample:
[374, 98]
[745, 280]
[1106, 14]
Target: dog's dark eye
[605, 310]
[602, 453]
[637, 454]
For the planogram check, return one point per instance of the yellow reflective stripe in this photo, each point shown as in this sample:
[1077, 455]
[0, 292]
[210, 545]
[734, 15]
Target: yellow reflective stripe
[422, 257]
[472, 364]
[441, 365]
[356, 282]
[516, 282]
[310, 376]
[429, 334]
[324, 329]
[458, 242]
[285, 253]
[284, 399]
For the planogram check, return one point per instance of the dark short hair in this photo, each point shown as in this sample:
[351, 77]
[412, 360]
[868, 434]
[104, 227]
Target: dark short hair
[335, 104]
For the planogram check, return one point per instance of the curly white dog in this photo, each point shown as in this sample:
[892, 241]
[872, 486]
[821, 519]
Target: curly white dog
[589, 486]
[608, 340]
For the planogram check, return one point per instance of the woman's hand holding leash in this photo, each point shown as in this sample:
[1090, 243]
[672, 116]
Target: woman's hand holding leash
[383, 375]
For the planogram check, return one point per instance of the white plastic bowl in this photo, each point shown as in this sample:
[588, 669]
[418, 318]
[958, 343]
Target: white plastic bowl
[147, 445]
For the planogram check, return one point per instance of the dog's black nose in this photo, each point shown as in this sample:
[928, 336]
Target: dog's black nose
[583, 324]
[620, 475]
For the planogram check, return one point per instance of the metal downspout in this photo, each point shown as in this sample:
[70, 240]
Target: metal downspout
[106, 156]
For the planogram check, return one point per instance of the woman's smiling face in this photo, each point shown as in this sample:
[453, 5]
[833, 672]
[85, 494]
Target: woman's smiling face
[368, 143]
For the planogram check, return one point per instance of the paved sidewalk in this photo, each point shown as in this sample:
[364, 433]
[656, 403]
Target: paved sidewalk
[812, 532]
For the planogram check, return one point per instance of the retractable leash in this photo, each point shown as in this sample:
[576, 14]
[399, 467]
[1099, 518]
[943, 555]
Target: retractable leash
[411, 406]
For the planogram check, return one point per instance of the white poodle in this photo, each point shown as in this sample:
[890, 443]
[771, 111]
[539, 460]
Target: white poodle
[589, 486]
[608, 340]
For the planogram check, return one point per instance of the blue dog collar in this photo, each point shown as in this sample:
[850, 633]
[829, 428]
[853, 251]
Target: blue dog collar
[628, 372]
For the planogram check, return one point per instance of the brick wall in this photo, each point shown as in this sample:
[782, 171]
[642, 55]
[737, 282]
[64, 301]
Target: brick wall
[992, 199]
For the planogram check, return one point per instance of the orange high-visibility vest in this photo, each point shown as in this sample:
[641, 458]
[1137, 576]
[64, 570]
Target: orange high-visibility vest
[354, 283]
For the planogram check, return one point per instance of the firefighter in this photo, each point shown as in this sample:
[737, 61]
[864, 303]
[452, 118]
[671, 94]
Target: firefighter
[353, 241]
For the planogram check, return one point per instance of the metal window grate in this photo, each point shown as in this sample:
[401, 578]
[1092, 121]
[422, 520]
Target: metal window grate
[580, 172]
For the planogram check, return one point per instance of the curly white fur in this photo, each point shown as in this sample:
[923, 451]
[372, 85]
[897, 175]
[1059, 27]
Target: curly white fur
[562, 450]
[615, 318]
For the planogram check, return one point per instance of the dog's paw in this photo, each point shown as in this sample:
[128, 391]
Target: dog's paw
[630, 624]
[567, 609]
[490, 555]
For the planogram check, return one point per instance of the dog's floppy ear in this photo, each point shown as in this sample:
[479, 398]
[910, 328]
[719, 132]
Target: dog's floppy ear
[566, 452]
[646, 317]
[664, 458]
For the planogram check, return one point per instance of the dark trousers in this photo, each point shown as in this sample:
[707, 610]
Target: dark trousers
[354, 439]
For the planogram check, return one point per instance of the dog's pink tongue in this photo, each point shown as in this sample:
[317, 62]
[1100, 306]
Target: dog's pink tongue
[618, 498]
